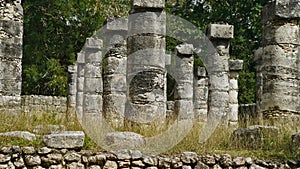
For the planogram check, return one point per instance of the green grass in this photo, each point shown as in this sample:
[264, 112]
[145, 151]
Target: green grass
[278, 148]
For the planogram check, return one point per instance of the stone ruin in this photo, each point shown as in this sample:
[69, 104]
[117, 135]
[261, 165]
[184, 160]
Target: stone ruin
[105, 82]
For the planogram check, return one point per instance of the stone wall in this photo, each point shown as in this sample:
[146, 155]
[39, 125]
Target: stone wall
[45, 157]
[11, 41]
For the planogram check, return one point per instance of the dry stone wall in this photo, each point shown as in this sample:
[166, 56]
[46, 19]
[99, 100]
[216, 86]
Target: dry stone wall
[45, 157]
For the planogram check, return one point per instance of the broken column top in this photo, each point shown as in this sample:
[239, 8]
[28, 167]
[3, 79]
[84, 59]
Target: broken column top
[220, 31]
[288, 9]
[140, 4]
[236, 64]
[184, 49]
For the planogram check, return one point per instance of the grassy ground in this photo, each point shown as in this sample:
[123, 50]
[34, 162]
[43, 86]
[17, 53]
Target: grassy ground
[278, 148]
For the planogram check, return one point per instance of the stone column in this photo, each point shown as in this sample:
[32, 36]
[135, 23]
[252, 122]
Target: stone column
[11, 41]
[219, 35]
[80, 85]
[184, 89]
[235, 66]
[146, 73]
[92, 86]
[72, 69]
[279, 61]
[114, 73]
[201, 95]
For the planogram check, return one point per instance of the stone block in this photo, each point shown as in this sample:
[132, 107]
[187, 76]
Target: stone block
[233, 96]
[116, 24]
[10, 87]
[93, 71]
[80, 84]
[296, 141]
[168, 59]
[267, 131]
[269, 101]
[80, 57]
[93, 85]
[233, 112]
[66, 139]
[140, 42]
[146, 58]
[287, 9]
[12, 28]
[218, 31]
[11, 51]
[147, 23]
[233, 84]
[113, 39]
[284, 34]
[184, 69]
[93, 57]
[247, 138]
[10, 69]
[114, 109]
[19, 134]
[201, 115]
[201, 72]
[114, 65]
[184, 91]
[48, 129]
[92, 102]
[184, 109]
[93, 43]
[219, 81]
[203, 82]
[114, 83]
[236, 65]
[145, 113]
[79, 99]
[124, 140]
[184, 49]
[219, 99]
[217, 63]
[136, 4]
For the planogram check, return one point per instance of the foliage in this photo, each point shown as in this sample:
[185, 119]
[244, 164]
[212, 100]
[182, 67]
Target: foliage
[54, 31]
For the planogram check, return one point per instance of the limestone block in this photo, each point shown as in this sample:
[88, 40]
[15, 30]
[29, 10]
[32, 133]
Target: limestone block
[93, 71]
[80, 84]
[203, 82]
[247, 137]
[93, 85]
[184, 69]
[233, 112]
[281, 9]
[201, 72]
[267, 131]
[140, 42]
[217, 63]
[184, 49]
[115, 65]
[110, 165]
[145, 113]
[10, 87]
[201, 94]
[184, 109]
[19, 134]
[219, 99]
[147, 23]
[117, 24]
[168, 59]
[233, 84]
[47, 129]
[296, 141]
[148, 4]
[201, 115]
[72, 68]
[236, 64]
[270, 101]
[79, 99]
[220, 31]
[146, 57]
[233, 96]
[10, 69]
[114, 83]
[184, 90]
[115, 39]
[170, 105]
[93, 43]
[80, 57]
[93, 57]
[12, 28]
[124, 140]
[11, 51]
[287, 33]
[92, 102]
[114, 109]
[219, 81]
[66, 139]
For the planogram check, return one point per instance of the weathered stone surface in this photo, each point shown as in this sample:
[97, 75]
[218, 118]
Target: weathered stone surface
[115, 65]
[286, 9]
[28, 150]
[114, 83]
[92, 70]
[239, 161]
[19, 134]
[142, 42]
[75, 165]
[147, 23]
[32, 160]
[220, 31]
[150, 160]
[67, 139]
[44, 150]
[47, 129]
[148, 4]
[116, 24]
[236, 64]
[72, 157]
[287, 33]
[93, 85]
[110, 165]
[219, 81]
[114, 109]
[296, 141]
[247, 137]
[184, 49]
[124, 140]
[267, 131]
[93, 43]
[4, 158]
[92, 102]
[189, 157]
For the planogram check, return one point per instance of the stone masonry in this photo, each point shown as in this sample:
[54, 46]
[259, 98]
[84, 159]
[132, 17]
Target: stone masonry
[11, 41]
[278, 62]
